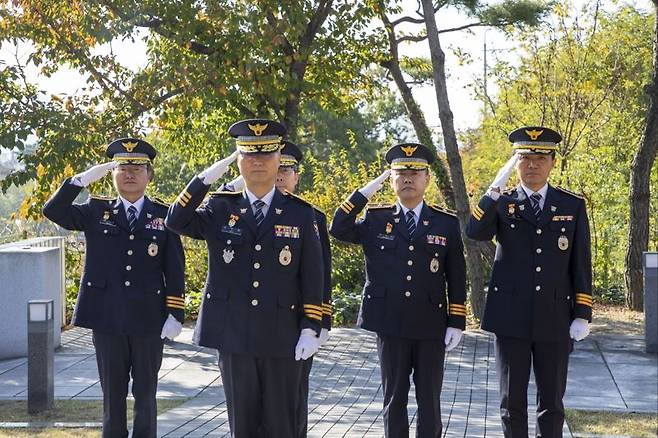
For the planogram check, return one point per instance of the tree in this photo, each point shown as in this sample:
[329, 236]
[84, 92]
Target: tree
[207, 64]
[452, 186]
[639, 191]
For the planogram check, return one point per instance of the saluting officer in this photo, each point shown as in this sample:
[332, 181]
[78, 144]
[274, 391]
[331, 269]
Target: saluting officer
[262, 306]
[540, 294]
[415, 286]
[131, 290]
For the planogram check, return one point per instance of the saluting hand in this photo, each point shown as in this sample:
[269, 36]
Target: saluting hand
[502, 176]
[214, 172]
[376, 184]
[94, 173]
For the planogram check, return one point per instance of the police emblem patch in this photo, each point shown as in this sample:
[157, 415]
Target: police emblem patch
[563, 242]
[228, 255]
[285, 256]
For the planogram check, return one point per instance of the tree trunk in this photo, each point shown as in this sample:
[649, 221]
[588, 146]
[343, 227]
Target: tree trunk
[638, 230]
[474, 260]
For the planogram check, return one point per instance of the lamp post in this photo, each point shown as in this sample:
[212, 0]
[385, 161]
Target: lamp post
[650, 266]
[40, 355]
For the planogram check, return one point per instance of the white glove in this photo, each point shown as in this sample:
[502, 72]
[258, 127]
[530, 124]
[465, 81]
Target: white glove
[324, 336]
[500, 181]
[579, 329]
[214, 172]
[171, 328]
[307, 345]
[453, 336]
[236, 185]
[93, 174]
[373, 186]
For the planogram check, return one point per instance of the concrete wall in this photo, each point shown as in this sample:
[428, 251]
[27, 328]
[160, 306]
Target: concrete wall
[27, 273]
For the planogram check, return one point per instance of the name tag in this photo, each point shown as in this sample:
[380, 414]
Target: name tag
[232, 230]
[385, 236]
[563, 218]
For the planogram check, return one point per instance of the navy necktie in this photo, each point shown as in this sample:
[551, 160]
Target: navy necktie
[411, 222]
[535, 198]
[258, 214]
[132, 217]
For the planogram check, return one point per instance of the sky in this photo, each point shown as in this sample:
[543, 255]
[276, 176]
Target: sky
[466, 110]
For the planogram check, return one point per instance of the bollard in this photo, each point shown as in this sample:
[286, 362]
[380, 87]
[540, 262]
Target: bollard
[650, 266]
[40, 356]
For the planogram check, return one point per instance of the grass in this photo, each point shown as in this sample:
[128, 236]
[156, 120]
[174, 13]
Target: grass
[612, 423]
[66, 411]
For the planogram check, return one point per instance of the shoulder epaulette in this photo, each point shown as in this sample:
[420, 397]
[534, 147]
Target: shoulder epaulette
[379, 206]
[102, 197]
[569, 192]
[299, 198]
[223, 193]
[443, 210]
[160, 201]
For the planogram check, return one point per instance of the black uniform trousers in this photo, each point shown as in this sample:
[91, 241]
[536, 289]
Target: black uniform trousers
[549, 361]
[302, 405]
[398, 359]
[119, 357]
[254, 386]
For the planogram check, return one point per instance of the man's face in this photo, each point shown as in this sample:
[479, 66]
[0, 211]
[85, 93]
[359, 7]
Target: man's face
[130, 180]
[410, 184]
[259, 168]
[533, 169]
[287, 179]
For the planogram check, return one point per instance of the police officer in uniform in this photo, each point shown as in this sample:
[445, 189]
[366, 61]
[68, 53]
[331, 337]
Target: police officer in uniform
[539, 297]
[131, 290]
[415, 286]
[262, 306]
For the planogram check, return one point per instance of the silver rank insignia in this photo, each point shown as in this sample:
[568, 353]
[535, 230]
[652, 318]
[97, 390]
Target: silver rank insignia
[115, 211]
[228, 255]
[434, 265]
[149, 215]
[153, 249]
[426, 222]
[563, 242]
[553, 208]
[278, 210]
[243, 210]
[285, 256]
[521, 207]
[396, 220]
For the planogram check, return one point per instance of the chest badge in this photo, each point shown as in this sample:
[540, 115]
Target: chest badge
[153, 249]
[563, 242]
[285, 256]
[228, 255]
[510, 209]
[233, 220]
[434, 266]
[106, 215]
[389, 227]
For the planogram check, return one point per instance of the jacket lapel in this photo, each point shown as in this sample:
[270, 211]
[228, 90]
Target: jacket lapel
[425, 214]
[243, 210]
[550, 206]
[399, 223]
[119, 215]
[278, 200]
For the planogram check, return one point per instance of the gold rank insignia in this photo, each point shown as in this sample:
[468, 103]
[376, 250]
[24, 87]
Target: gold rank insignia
[389, 227]
[563, 242]
[129, 146]
[285, 256]
[153, 249]
[228, 255]
[434, 265]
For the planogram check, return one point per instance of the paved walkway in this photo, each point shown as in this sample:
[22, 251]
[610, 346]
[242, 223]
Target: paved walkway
[606, 373]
